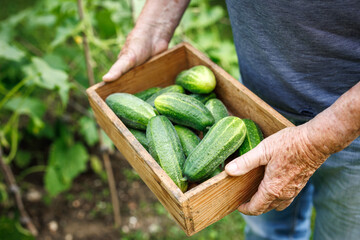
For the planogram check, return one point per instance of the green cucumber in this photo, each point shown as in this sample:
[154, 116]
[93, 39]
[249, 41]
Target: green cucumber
[184, 110]
[217, 109]
[203, 97]
[223, 139]
[171, 88]
[189, 140]
[198, 79]
[134, 112]
[215, 172]
[165, 148]
[144, 95]
[140, 136]
[253, 136]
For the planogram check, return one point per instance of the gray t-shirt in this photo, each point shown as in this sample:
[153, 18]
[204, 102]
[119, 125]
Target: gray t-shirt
[298, 56]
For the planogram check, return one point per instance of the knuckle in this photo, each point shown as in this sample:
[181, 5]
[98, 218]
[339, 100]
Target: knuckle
[255, 213]
[287, 194]
[245, 162]
[264, 151]
[271, 190]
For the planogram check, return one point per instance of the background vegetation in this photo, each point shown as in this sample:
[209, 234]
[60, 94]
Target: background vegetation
[47, 130]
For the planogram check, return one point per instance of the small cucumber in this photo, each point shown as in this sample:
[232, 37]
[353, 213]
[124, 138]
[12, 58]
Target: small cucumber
[134, 112]
[189, 140]
[165, 148]
[184, 110]
[253, 136]
[223, 139]
[171, 88]
[203, 97]
[217, 109]
[198, 79]
[144, 95]
[140, 136]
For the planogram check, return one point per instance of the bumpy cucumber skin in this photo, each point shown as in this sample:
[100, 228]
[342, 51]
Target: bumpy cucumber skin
[165, 148]
[144, 95]
[132, 111]
[171, 88]
[140, 136]
[198, 79]
[215, 172]
[203, 97]
[223, 139]
[217, 109]
[253, 136]
[184, 110]
[189, 140]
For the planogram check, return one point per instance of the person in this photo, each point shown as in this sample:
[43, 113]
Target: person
[303, 58]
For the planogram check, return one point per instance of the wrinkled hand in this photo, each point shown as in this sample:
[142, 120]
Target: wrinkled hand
[141, 44]
[290, 159]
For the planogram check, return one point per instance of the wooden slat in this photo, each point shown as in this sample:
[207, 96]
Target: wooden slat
[217, 197]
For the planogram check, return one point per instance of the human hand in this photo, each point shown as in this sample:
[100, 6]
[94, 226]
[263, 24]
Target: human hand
[141, 44]
[151, 35]
[290, 159]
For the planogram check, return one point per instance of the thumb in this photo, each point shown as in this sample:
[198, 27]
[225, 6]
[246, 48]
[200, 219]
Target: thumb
[247, 162]
[125, 61]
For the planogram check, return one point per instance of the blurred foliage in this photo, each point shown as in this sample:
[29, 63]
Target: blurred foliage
[46, 123]
[11, 229]
[43, 75]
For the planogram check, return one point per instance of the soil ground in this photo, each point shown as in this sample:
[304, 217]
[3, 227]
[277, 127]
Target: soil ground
[85, 211]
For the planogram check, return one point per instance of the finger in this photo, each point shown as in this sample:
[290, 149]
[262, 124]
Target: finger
[252, 159]
[259, 203]
[121, 66]
[284, 204]
[273, 205]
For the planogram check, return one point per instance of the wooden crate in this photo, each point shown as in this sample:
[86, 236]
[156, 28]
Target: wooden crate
[215, 198]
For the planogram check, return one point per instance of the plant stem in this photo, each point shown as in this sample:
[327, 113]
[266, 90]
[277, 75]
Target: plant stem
[10, 180]
[13, 91]
[104, 150]
[89, 69]
[111, 182]
[30, 170]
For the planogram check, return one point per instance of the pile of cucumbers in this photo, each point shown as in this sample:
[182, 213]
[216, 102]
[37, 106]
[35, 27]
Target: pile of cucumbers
[168, 122]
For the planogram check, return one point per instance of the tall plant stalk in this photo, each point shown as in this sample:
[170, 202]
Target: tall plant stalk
[14, 188]
[103, 149]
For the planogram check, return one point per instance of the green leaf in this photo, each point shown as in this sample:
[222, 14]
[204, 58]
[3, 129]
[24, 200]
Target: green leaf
[9, 52]
[62, 34]
[53, 183]
[65, 163]
[88, 130]
[22, 158]
[32, 107]
[11, 229]
[56, 61]
[46, 20]
[49, 78]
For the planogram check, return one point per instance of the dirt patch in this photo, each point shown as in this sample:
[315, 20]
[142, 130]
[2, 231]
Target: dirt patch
[85, 212]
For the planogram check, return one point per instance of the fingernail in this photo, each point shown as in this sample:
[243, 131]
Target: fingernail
[106, 76]
[231, 168]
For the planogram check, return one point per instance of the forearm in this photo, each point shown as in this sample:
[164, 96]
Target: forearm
[337, 126]
[161, 17]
